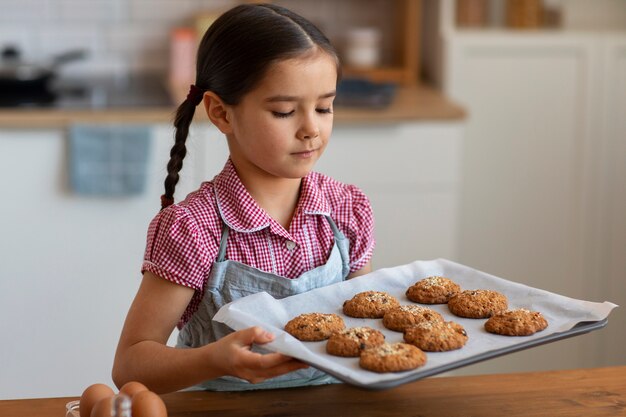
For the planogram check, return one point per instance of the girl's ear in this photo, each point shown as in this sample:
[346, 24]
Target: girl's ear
[217, 112]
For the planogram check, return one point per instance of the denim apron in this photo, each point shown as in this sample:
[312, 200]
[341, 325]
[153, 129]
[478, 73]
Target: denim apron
[230, 280]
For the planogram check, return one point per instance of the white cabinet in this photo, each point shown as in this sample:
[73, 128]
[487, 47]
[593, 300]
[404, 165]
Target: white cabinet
[70, 265]
[411, 174]
[611, 236]
[543, 172]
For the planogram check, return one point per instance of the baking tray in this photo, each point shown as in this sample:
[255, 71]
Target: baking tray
[580, 328]
[567, 317]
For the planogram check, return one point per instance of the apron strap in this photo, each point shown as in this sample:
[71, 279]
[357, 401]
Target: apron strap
[336, 232]
[221, 256]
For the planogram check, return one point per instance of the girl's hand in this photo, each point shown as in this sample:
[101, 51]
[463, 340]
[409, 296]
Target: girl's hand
[234, 356]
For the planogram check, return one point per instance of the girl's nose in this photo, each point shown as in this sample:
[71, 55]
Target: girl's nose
[308, 129]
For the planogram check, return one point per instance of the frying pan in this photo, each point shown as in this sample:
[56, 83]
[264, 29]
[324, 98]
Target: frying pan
[24, 77]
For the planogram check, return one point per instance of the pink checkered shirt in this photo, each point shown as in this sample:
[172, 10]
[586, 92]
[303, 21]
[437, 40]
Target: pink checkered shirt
[183, 240]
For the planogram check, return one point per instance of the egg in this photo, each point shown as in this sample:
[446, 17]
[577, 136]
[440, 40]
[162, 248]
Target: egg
[148, 404]
[102, 408]
[133, 387]
[93, 394]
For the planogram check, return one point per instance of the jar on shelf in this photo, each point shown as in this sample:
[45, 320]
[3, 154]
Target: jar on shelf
[363, 47]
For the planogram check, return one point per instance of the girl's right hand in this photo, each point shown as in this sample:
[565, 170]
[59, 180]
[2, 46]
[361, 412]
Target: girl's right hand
[234, 355]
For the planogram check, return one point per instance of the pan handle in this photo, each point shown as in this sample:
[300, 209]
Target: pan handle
[69, 56]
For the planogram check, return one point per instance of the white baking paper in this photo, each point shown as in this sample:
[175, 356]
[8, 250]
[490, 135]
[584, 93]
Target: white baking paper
[261, 309]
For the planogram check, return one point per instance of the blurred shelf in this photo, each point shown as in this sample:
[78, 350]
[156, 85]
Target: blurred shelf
[417, 103]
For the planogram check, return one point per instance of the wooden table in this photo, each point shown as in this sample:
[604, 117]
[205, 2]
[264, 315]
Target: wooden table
[575, 393]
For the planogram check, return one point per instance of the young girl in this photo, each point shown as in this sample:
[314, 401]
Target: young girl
[267, 78]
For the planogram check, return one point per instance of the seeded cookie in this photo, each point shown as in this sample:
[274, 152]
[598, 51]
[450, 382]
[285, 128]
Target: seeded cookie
[477, 304]
[350, 342]
[392, 357]
[432, 290]
[401, 317]
[369, 304]
[520, 322]
[313, 327]
[437, 336]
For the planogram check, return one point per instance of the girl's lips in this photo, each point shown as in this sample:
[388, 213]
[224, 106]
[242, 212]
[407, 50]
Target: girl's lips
[305, 154]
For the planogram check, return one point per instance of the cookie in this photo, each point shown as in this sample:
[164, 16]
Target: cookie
[477, 304]
[392, 357]
[432, 290]
[313, 327]
[520, 322]
[369, 304]
[350, 342]
[401, 317]
[437, 336]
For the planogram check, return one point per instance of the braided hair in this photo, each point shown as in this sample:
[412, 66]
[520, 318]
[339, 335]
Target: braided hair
[233, 57]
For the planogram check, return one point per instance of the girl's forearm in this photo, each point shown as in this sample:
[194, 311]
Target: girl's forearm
[164, 369]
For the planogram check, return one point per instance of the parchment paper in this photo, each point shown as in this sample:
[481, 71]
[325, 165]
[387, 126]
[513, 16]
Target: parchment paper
[562, 314]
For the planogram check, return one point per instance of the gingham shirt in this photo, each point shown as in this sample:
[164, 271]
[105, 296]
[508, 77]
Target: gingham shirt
[183, 240]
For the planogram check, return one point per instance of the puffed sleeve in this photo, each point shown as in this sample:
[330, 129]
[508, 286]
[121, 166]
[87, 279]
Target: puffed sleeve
[175, 250]
[360, 229]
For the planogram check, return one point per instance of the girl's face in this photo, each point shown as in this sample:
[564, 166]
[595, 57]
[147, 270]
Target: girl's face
[281, 128]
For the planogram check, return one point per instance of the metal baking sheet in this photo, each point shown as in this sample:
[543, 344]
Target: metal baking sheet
[567, 317]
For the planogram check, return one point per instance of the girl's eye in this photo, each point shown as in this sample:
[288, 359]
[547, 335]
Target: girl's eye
[282, 115]
[327, 110]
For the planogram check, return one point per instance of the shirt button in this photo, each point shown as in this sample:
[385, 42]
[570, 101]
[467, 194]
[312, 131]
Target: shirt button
[290, 245]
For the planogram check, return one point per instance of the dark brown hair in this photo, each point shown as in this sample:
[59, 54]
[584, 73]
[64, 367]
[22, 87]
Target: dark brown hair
[233, 57]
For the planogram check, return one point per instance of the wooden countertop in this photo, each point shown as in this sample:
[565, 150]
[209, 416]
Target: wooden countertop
[420, 103]
[575, 393]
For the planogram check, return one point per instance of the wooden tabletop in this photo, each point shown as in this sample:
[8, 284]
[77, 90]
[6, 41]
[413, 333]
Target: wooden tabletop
[575, 393]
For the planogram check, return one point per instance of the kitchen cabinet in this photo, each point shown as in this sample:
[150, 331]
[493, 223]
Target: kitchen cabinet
[544, 177]
[71, 264]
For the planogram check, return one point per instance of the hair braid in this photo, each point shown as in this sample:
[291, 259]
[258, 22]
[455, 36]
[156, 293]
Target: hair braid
[182, 121]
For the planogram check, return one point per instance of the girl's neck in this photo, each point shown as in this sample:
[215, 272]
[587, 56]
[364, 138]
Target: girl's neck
[277, 196]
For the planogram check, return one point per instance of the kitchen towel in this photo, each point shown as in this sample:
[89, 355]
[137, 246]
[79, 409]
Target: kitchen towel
[108, 160]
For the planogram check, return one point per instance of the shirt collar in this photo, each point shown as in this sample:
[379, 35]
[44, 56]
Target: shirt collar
[241, 212]
[312, 200]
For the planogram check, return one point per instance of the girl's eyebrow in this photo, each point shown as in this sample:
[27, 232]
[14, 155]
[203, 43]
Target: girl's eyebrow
[274, 99]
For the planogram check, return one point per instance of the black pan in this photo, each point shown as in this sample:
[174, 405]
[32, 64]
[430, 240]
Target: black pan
[22, 77]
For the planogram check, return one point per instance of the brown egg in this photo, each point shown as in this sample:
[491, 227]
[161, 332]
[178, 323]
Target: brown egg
[102, 408]
[148, 404]
[133, 387]
[91, 396]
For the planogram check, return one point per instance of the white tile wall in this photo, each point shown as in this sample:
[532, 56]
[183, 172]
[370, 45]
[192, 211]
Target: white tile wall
[132, 35]
[119, 35]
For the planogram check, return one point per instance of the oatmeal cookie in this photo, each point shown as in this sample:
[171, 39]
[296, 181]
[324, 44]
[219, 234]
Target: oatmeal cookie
[392, 357]
[519, 322]
[439, 336]
[477, 304]
[350, 342]
[432, 290]
[401, 317]
[369, 304]
[313, 327]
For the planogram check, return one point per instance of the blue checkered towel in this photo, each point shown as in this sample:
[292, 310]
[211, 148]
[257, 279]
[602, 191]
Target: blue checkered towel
[108, 160]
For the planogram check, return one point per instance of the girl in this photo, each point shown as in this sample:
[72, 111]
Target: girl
[267, 78]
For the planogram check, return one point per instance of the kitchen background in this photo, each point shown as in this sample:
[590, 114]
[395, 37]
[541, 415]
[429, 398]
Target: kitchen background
[518, 169]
